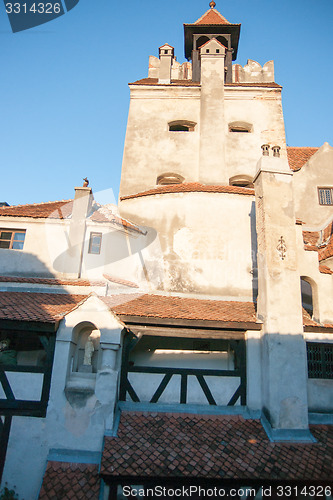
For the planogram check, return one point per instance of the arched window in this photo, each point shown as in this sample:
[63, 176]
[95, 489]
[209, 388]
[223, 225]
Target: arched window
[240, 127]
[201, 41]
[169, 178]
[181, 126]
[241, 180]
[309, 291]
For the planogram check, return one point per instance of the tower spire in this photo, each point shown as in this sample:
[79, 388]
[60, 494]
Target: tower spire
[212, 5]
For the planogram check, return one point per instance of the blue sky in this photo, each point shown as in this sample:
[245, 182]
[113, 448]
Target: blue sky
[64, 94]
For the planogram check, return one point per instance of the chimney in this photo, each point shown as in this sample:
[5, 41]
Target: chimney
[166, 53]
[82, 204]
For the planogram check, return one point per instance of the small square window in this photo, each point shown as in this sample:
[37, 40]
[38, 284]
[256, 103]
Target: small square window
[12, 239]
[95, 243]
[325, 196]
[320, 360]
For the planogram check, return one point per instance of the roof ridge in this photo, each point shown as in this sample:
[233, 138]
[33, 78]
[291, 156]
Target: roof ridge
[216, 12]
[35, 204]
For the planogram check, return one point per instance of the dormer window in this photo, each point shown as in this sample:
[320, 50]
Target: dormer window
[182, 126]
[240, 127]
[169, 178]
[241, 181]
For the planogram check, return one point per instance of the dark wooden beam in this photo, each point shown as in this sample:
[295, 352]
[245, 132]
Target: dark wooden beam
[318, 329]
[206, 390]
[202, 333]
[184, 371]
[166, 379]
[207, 324]
[4, 437]
[29, 326]
[183, 389]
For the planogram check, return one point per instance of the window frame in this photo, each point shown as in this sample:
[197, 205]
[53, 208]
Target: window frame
[181, 126]
[327, 188]
[322, 368]
[91, 236]
[12, 239]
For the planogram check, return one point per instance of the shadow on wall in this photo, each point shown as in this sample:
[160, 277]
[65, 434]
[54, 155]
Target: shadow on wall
[19, 263]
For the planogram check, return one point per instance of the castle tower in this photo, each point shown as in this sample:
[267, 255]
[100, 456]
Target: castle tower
[192, 144]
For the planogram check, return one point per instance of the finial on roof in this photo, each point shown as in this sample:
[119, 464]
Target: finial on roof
[86, 182]
[212, 5]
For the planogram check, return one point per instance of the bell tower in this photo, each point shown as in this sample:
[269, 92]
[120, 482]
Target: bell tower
[211, 25]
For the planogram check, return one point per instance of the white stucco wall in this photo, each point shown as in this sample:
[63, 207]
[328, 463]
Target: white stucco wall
[317, 172]
[262, 108]
[150, 148]
[205, 246]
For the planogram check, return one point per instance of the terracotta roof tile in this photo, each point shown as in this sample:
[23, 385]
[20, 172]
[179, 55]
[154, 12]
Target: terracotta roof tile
[190, 83]
[161, 306]
[325, 270]
[307, 321]
[51, 281]
[104, 215]
[297, 157]
[41, 307]
[62, 210]
[214, 447]
[191, 187]
[52, 209]
[212, 16]
[70, 481]
[311, 237]
[320, 241]
[120, 281]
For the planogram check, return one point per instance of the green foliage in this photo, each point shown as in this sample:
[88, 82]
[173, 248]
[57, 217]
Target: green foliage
[6, 494]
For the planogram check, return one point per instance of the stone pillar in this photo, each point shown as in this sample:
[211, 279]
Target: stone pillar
[212, 127]
[284, 363]
[81, 207]
[107, 382]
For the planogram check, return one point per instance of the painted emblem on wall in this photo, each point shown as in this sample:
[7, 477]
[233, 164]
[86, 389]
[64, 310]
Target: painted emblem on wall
[26, 14]
[282, 248]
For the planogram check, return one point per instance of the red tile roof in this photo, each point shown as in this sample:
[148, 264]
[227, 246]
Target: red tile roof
[307, 321]
[297, 157]
[51, 209]
[191, 187]
[41, 307]
[213, 447]
[120, 281]
[320, 241]
[212, 16]
[161, 306]
[51, 281]
[70, 481]
[190, 83]
[62, 210]
[325, 270]
[102, 215]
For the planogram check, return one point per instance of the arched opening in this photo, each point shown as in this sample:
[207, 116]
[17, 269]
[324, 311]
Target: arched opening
[85, 356]
[222, 40]
[201, 41]
[240, 127]
[241, 180]
[169, 178]
[181, 126]
[309, 292]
